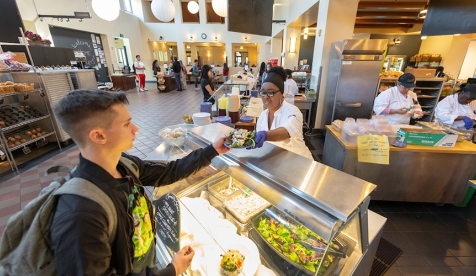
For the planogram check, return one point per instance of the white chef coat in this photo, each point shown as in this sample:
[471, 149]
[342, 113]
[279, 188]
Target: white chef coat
[290, 90]
[393, 99]
[449, 108]
[139, 64]
[289, 117]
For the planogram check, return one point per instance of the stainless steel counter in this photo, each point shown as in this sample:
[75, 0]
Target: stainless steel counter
[329, 202]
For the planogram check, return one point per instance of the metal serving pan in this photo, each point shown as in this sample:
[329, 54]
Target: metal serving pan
[254, 233]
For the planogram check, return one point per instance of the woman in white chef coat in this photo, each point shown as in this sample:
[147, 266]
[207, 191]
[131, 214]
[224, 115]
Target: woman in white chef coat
[290, 87]
[454, 110]
[399, 103]
[281, 123]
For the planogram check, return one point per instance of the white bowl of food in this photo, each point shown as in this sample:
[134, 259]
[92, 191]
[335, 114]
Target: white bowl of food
[175, 135]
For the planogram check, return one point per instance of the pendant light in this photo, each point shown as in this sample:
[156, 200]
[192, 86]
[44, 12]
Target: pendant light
[164, 10]
[106, 9]
[192, 7]
[220, 7]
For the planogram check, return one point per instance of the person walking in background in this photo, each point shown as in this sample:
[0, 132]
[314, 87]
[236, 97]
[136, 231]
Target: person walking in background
[195, 72]
[262, 68]
[183, 75]
[177, 68]
[226, 70]
[206, 83]
[140, 68]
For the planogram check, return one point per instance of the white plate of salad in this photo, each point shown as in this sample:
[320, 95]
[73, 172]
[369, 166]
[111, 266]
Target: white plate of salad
[240, 139]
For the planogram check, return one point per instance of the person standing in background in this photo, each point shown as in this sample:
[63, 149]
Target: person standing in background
[290, 87]
[226, 70]
[177, 68]
[195, 72]
[183, 75]
[262, 68]
[206, 83]
[265, 73]
[140, 68]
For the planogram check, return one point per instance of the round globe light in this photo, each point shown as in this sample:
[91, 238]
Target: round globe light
[220, 7]
[164, 10]
[106, 9]
[192, 7]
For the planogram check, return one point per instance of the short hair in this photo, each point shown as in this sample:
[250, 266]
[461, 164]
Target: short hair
[288, 72]
[195, 60]
[137, 56]
[175, 58]
[82, 109]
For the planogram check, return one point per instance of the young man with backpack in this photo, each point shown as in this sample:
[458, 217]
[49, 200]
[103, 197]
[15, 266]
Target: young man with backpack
[88, 236]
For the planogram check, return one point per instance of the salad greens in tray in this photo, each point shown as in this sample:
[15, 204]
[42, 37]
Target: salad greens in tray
[299, 245]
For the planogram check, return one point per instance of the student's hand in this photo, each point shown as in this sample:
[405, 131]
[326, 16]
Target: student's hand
[182, 260]
[219, 145]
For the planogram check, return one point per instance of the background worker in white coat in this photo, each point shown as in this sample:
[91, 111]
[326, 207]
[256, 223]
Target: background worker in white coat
[399, 103]
[281, 123]
[290, 87]
[454, 110]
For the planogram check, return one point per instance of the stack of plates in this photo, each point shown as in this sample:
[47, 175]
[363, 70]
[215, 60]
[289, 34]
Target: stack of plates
[201, 119]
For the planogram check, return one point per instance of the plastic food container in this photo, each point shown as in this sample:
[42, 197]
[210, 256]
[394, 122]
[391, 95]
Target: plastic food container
[222, 183]
[240, 217]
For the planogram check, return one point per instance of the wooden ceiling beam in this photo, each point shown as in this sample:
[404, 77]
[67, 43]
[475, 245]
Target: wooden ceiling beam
[391, 5]
[387, 21]
[386, 14]
[383, 26]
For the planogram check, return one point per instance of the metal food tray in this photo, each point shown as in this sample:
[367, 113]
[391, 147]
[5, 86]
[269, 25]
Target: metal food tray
[240, 217]
[255, 223]
[220, 184]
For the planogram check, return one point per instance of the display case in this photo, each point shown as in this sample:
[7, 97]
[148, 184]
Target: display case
[280, 214]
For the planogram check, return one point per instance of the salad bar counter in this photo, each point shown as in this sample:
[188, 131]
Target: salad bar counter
[269, 211]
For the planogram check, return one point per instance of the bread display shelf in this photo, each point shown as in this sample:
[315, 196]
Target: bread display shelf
[20, 93]
[32, 141]
[25, 123]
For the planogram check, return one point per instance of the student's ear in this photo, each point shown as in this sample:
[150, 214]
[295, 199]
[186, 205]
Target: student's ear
[97, 136]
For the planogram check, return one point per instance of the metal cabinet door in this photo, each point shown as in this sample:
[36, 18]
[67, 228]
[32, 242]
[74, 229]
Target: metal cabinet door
[356, 89]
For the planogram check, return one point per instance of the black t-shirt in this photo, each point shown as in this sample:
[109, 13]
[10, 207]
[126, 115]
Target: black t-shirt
[176, 67]
[204, 82]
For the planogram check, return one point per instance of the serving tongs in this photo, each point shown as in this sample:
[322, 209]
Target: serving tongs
[330, 250]
[305, 243]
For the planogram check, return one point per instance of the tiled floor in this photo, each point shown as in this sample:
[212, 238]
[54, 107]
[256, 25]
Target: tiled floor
[435, 240]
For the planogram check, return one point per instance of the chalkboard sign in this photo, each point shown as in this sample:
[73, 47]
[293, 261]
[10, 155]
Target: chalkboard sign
[167, 218]
[89, 43]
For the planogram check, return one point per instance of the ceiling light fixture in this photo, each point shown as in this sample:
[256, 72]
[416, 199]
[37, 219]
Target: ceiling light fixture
[164, 10]
[457, 34]
[192, 7]
[423, 37]
[106, 9]
[220, 7]
[241, 47]
[422, 14]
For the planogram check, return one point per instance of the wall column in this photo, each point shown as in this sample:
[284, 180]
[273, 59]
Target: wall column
[335, 21]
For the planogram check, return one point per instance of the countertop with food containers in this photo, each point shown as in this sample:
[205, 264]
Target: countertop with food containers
[415, 173]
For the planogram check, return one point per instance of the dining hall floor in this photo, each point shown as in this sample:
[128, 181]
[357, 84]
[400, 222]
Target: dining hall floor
[436, 240]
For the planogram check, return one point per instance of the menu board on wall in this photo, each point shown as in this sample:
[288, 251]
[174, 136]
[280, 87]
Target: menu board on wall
[89, 43]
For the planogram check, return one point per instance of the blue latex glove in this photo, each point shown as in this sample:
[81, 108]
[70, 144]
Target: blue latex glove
[260, 138]
[468, 122]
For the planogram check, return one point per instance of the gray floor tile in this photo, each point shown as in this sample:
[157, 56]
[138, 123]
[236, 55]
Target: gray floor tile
[444, 261]
[444, 271]
[412, 261]
[468, 261]
[416, 271]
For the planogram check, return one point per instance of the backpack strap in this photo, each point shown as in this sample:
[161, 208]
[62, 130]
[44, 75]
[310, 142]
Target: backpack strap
[130, 165]
[84, 188]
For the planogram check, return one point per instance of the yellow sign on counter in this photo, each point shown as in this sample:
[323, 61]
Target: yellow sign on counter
[373, 149]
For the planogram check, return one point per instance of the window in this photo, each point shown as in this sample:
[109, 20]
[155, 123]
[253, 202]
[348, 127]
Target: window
[127, 6]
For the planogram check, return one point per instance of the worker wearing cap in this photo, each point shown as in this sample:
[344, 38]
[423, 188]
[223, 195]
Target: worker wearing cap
[399, 103]
[455, 111]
